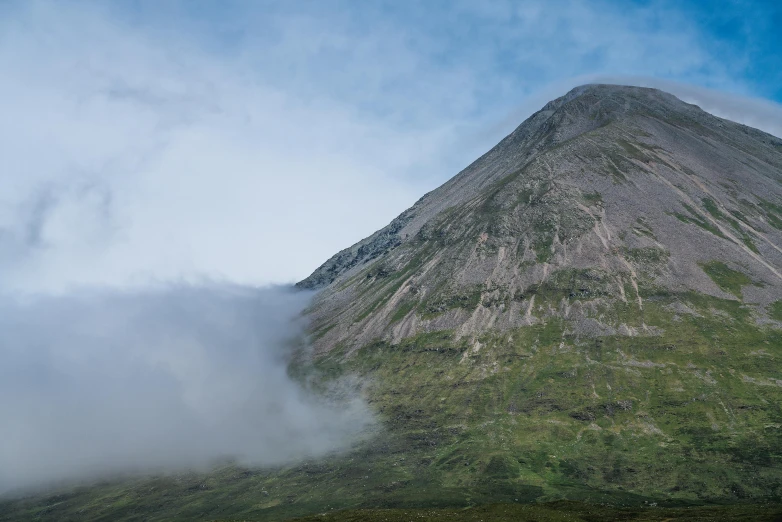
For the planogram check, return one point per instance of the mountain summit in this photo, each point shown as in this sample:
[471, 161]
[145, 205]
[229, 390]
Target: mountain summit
[608, 195]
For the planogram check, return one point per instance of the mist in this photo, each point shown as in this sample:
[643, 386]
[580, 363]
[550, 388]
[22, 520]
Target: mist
[101, 382]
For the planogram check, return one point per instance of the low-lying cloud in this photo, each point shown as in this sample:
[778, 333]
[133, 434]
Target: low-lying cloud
[101, 382]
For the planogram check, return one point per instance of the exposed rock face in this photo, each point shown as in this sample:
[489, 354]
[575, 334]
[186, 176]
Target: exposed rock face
[608, 194]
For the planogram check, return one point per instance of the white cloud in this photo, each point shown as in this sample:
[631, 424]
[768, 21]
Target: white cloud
[125, 163]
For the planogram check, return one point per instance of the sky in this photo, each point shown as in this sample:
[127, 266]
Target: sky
[249, 141]
[167, 168]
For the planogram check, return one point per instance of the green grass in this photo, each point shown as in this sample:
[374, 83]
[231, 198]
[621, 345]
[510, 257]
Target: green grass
[716, 213]
[775, 310]
[647, 255]
[773, 212]
[542, 247]
[441, 302]
[555, 512]
[522, 412]
[725, 277]
[402, 310]
[695, 219]
[592, 198]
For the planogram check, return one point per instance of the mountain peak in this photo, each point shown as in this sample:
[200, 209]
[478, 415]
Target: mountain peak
[623, 191]
[618, 131]
[614, 92]
[590, 106]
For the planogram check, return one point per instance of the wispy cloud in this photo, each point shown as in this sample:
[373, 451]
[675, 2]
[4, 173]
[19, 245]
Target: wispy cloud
[160, 166]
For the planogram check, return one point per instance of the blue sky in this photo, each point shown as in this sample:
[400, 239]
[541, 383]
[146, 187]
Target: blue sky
[249, 141]
[747, 34]
[516, 46]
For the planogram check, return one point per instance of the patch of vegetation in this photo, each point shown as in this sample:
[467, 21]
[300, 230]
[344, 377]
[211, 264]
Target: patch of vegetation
[323, 330]
[404, 308]
[613, 169]
[647, 255]
[774, 221]
[700, 223]
[636, 150]
[644, 232]
[716, 213]
[592, 198]
[711, 208]
[739, 215]
[385, 295]
[773, 212]
[542, 246]
[694, 219]
[443, 301]
[749, 243]
[572, 283]
[621, 159]
[775, 310]
[725, 277]
[644, 229]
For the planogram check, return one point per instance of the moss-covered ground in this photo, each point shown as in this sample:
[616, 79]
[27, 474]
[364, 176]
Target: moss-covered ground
[556, 512]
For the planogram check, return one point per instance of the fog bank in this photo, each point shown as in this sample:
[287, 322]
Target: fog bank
[101, 382]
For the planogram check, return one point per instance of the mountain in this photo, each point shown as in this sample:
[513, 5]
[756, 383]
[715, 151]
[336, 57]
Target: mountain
[609, 193]
[592, 308]
[591, 311]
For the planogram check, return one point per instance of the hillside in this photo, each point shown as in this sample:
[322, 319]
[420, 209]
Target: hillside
[623, 190]
[594, 303]
[591, 311]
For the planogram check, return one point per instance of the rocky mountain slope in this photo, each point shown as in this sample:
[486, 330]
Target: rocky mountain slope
[608, 192]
